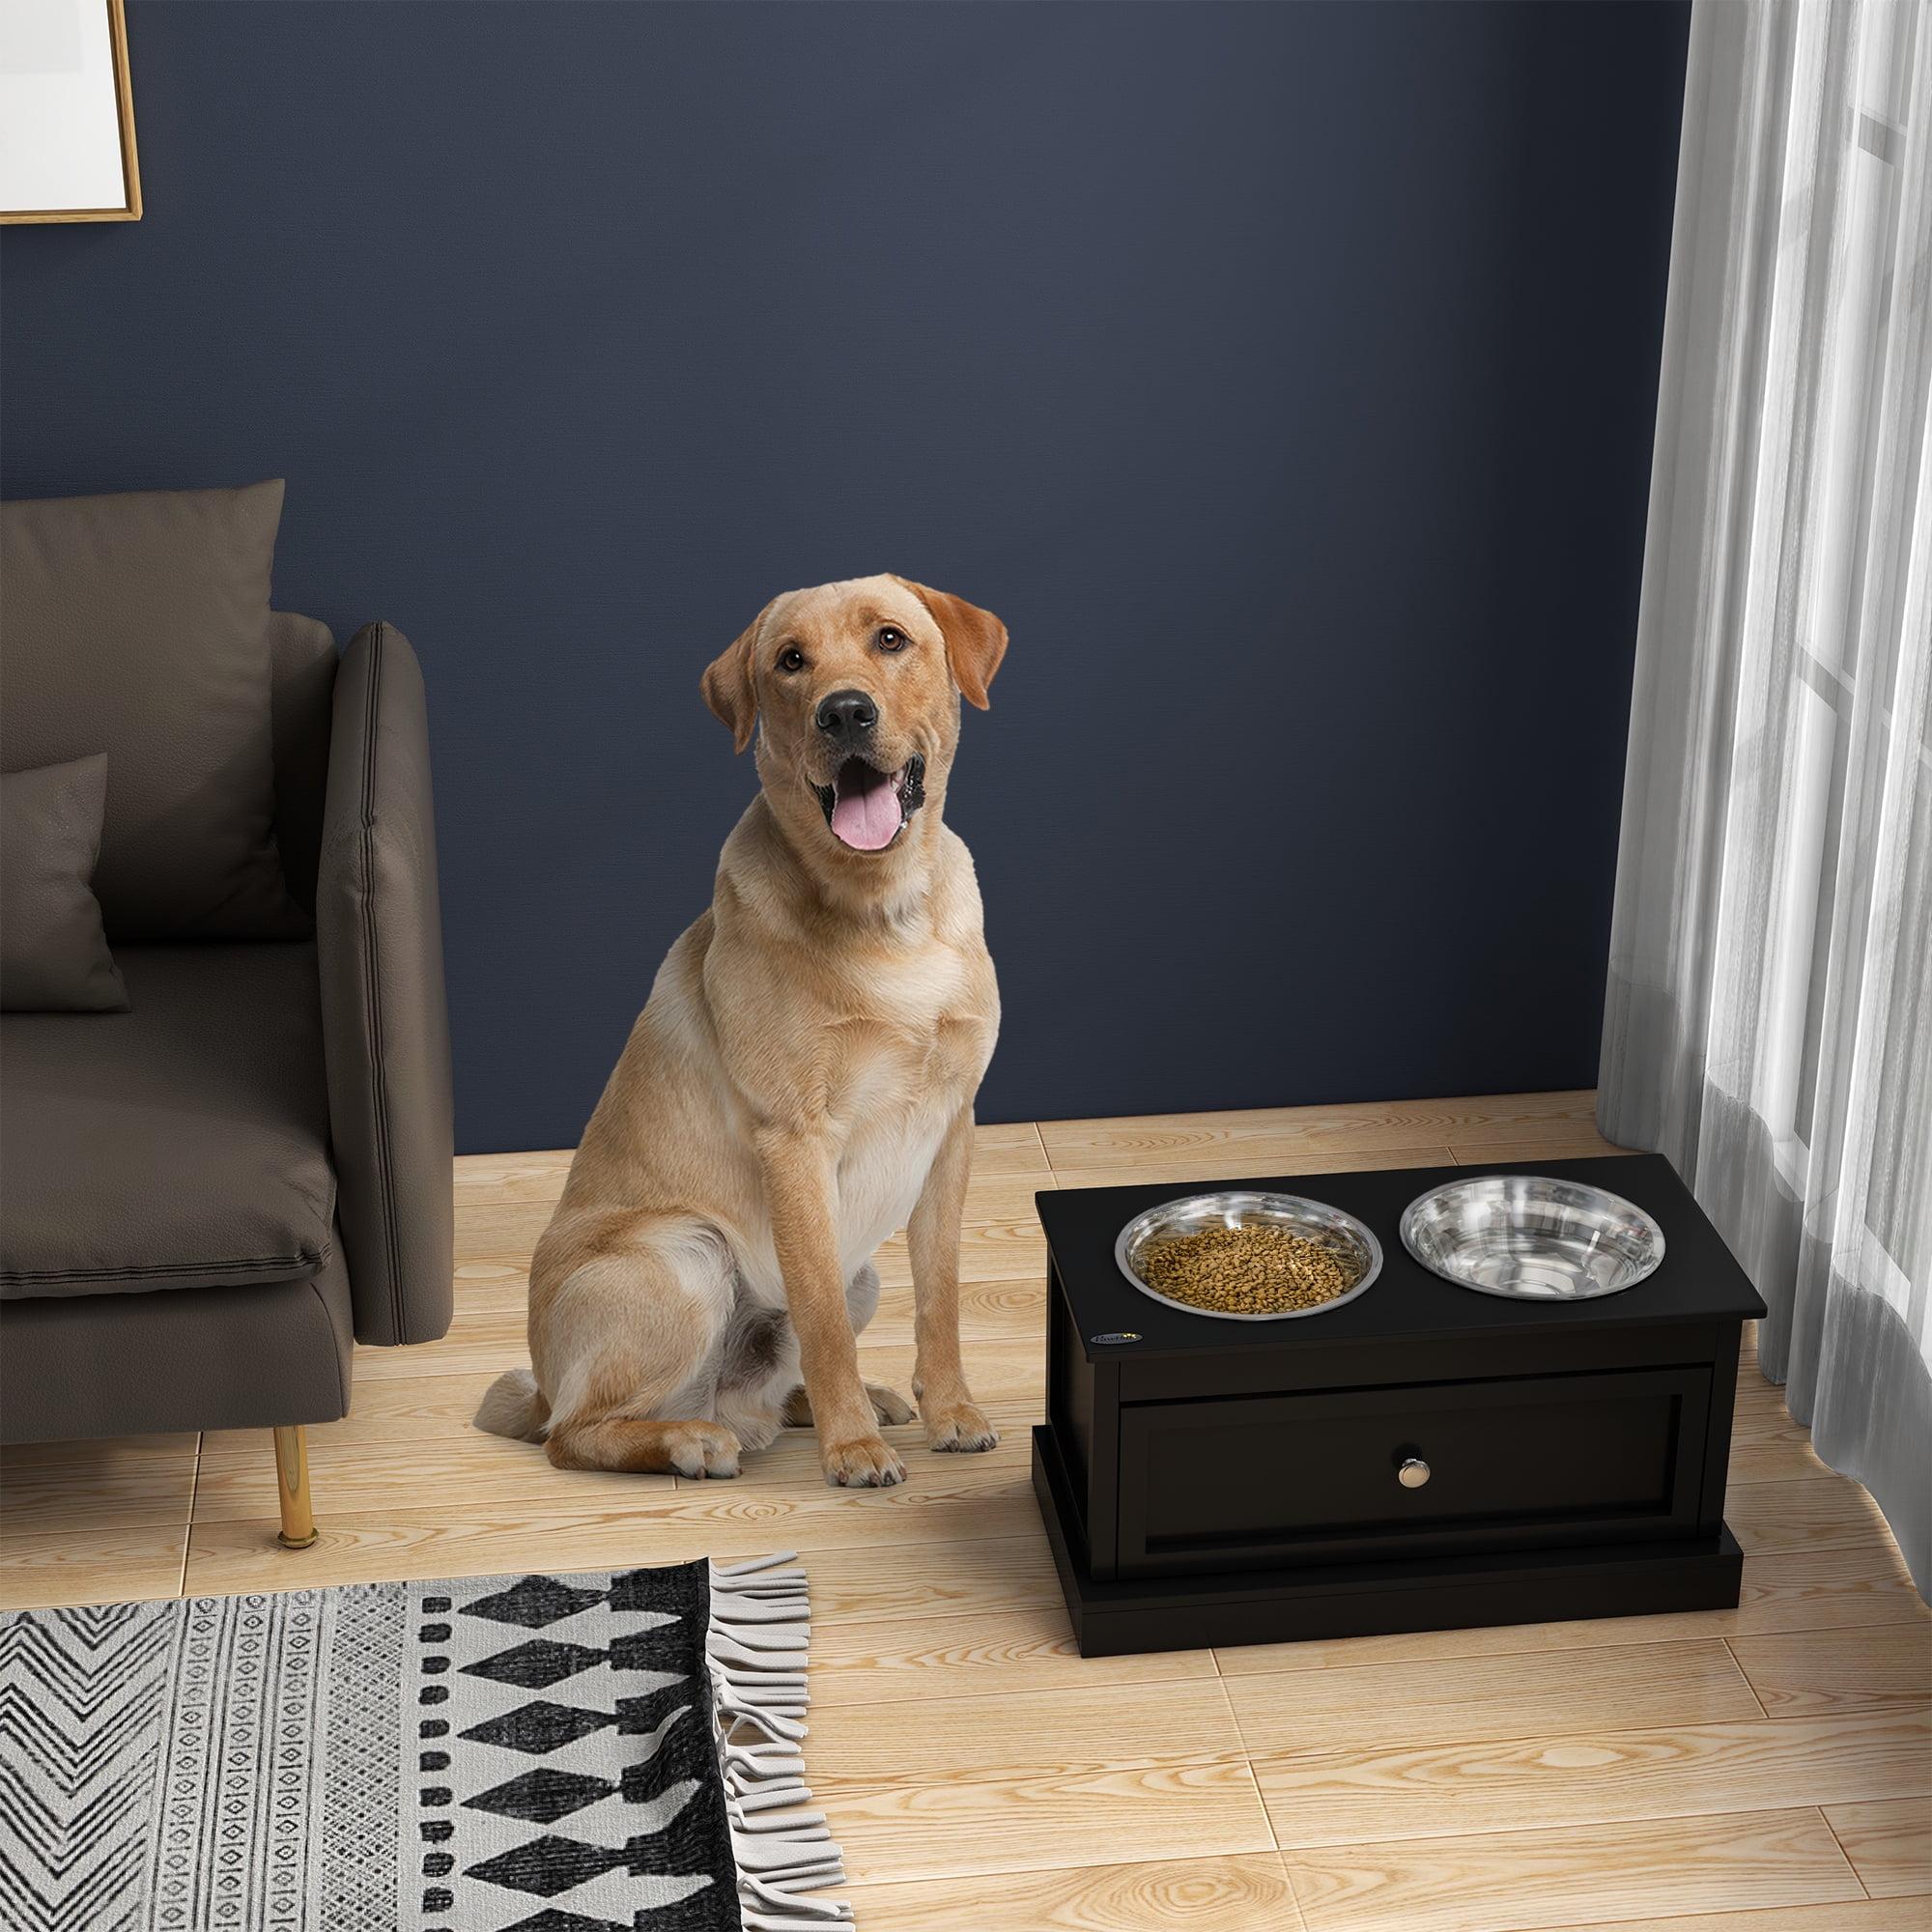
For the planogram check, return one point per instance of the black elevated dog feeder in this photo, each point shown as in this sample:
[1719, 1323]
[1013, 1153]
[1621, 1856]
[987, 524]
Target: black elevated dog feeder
[1423, 1456]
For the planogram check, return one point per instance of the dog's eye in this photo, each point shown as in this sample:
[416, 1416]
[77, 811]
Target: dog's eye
[791, 657]
[890, 640]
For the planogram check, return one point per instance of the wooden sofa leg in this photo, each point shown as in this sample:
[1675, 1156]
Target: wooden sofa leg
[291, 1487]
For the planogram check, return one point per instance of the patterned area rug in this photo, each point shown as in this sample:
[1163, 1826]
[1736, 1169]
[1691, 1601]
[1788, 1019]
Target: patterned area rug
[585, 1754]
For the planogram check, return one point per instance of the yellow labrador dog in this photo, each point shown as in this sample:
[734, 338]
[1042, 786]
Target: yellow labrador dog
[799, 1085]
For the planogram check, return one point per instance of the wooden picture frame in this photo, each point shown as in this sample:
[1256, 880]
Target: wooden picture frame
[60, 76]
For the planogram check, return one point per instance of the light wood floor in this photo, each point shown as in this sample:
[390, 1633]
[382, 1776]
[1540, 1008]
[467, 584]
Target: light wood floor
[1762, 1770]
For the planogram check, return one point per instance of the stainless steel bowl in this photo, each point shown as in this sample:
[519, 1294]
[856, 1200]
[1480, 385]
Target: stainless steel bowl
[1313, 1221]
[1531, 1238]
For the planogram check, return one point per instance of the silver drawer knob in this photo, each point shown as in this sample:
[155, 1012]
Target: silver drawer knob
[1412, 1472]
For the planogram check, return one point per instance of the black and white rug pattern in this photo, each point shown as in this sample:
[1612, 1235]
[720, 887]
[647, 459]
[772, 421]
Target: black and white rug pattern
[600, 1752]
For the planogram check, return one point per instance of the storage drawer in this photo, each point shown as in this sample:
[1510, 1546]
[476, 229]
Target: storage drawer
[1511, 1464]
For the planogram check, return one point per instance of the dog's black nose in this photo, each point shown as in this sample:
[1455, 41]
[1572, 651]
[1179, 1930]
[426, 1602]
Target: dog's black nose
[846, 716]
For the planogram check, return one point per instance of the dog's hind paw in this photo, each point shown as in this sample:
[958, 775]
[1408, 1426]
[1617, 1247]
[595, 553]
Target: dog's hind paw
[888, 1404]
[702, 1449]
[960, 1430]
[866, 1463]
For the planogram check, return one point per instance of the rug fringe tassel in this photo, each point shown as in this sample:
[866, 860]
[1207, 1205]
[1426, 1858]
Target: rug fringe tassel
[757, 1645]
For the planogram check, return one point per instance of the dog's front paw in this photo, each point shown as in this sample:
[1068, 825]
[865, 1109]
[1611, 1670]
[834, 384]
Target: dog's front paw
[960, 1428]
[862, 1464]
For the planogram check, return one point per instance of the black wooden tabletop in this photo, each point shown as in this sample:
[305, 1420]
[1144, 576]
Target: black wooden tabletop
[1697, 1281]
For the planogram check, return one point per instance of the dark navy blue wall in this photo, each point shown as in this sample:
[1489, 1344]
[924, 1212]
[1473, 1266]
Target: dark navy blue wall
[1283, 375]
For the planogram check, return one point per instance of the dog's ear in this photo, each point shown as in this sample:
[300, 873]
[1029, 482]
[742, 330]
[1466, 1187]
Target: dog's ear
[975, 640]
[727, 685]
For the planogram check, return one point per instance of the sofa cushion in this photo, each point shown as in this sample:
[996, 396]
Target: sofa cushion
[53, 954]
[137, 625]
[91, 1365]
[182, 1144]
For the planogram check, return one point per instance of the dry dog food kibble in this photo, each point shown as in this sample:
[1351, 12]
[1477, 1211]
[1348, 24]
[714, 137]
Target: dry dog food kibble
[1256, 1270]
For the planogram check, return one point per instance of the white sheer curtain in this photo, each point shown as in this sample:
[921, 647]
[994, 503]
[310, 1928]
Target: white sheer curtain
[1769, 1022]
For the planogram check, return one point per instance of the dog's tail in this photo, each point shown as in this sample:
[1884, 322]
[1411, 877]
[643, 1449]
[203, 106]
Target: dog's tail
[513, 1405]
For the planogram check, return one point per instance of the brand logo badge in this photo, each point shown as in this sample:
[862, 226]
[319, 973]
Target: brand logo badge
[1115, 1335]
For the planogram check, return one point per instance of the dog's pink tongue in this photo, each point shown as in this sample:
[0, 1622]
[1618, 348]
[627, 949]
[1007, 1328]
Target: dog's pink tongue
[866, 812]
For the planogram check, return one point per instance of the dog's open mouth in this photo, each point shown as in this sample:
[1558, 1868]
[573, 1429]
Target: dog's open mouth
[868, 809]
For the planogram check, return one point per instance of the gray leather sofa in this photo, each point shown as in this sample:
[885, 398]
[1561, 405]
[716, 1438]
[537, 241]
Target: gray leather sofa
[207, 1199]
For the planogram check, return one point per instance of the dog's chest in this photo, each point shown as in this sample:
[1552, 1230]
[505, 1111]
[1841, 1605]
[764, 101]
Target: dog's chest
[904, 1068]
[916, 1034]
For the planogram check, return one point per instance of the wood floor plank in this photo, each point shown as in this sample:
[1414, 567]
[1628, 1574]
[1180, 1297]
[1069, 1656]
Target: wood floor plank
[999, 1237]
[1472, 1698]
[487, 1228]
[1004, 1368]
[1819, 1672]
[496, 1284]
[1826, 1589]
[1243, 1893]
[1766, 1445]
[438, 1541]
[1552, 1139]
[1362, 1127]
[91, 1566]
[1855, 1914]
[1014, 1146]
[946, 1581]
[1890, 1844]
[123, 1482]
[1593, 1777]
[1007, 1309]
[1247, 1161]
[481, 1342]
[1799, 1590]
[1512, 1880]
[1005, 1197]
[484, 1288]
[1064, 1733]
[484, 1179]
[910, 1660]
[1818, 1513]
[966, 1827]
[995, 1250]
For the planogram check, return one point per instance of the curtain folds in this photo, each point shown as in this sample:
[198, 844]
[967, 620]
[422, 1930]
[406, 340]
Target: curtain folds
[1769, 1016]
